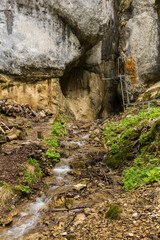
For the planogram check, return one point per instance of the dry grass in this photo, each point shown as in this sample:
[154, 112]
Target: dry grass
[6, 195]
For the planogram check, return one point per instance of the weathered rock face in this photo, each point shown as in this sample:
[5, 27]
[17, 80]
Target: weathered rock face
[56, 53]
[39, 40]
[88, 95]
[140, 42]
[46, 35]
[83, 91]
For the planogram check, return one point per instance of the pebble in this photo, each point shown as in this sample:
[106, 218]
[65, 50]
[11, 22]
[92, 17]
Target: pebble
[64, 234]
[79, 186]
[135, 215]
[131, 234]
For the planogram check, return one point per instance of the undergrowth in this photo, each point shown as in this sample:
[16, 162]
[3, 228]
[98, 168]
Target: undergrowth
[32, 174]
[58, 130]
[135, 137]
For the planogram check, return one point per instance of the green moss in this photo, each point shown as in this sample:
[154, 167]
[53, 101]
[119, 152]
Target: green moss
[152, 133]
[113, 212]
[114, 149]
[117, 160]
[78, 165]
[124, 5]
[136, 139]
[68, 202]
[149, 136]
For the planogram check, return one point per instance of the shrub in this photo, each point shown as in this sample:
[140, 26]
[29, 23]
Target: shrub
[58, 129]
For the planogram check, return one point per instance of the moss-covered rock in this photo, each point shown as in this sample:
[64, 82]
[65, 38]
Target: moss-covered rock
[78, 165]
[68, 202]
[113, 212]
[117, 160]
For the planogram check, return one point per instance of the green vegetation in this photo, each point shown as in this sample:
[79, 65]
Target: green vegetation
[31, 175]
[58, 130]
[33, 162]
[6, 194]
[24, 189]
[53, 155]
[52, 141]
[114, 149]
[113, 212]
[136, 137]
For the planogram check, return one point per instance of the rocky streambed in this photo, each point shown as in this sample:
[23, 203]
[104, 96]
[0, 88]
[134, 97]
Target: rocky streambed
[81, 190]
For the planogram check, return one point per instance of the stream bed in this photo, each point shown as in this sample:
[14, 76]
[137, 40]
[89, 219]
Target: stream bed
[71, 194]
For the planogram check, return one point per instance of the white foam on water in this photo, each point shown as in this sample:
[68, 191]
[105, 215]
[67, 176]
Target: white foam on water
[33, 211]
[86, 136]
[78, 142]
[62, 170]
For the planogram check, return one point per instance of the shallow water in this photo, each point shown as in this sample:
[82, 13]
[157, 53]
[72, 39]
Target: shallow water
[27, 220]
[30, 215]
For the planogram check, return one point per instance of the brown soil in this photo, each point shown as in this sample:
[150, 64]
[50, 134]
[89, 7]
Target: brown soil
[15, 153]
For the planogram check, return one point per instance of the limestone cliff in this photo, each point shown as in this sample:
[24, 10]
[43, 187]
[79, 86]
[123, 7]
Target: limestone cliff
[55, 54]
[39, 40]
[140, 42]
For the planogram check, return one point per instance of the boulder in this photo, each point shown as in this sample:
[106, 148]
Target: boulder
[40, 38]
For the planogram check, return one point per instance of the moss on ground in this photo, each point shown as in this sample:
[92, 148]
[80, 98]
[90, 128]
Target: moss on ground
[137, 136]
[113, 212]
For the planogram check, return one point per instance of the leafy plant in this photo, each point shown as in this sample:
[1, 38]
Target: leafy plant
[39, 173]
[53, 155]
[24, 189]
[127, 133]
[33, 162]
[143, 138]
[134, 177]
[58, 129]
[19, 180]
[30, 178]
[52, 141]
[121, 137]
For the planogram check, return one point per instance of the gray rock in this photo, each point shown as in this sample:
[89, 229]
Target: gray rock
[140, 44]
[40, 36]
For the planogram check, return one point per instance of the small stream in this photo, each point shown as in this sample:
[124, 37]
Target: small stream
[29, 215]
[29, 219]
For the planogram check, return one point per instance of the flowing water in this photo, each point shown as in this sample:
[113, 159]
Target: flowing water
[30, 214]
[29, 217]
